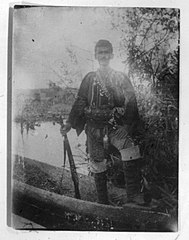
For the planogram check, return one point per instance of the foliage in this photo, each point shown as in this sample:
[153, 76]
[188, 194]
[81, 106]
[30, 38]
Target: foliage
[28, 110]
[149, 36]
[67, 69]
[69, 96]
[32, 112]
[150, 48]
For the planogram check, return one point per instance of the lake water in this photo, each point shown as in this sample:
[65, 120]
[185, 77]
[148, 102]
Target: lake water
[45, 144]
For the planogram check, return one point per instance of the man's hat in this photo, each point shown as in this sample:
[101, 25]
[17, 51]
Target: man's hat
[104, 43]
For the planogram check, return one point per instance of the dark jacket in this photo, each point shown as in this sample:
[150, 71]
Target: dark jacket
[116, 91]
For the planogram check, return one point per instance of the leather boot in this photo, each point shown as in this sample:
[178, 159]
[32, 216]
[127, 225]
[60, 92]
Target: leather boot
[132, 179]
[101, 187]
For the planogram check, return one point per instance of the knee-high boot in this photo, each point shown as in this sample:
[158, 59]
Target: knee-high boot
[132, 179]
[101, 187]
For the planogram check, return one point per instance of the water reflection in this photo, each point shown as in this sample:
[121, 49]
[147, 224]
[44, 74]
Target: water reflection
[44, 143]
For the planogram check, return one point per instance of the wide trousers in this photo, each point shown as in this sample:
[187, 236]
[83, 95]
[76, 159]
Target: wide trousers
[98, 162]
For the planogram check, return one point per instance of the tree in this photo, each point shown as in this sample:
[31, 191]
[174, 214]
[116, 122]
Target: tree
[149, 46]
[67, 69]
[149, 39]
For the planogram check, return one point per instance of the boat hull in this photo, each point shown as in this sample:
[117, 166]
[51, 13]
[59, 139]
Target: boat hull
[51, 207]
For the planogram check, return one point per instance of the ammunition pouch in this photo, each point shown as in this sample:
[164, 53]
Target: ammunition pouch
[131, 153]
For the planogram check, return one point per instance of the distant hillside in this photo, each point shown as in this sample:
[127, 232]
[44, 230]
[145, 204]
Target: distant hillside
[42, 104]
[53, 93]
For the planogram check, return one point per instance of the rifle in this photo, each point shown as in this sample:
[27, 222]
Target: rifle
[67, 148]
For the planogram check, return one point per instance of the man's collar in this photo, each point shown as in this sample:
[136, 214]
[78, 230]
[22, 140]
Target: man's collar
[105, 73]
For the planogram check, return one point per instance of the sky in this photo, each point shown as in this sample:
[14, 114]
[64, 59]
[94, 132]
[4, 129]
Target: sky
[42, 34]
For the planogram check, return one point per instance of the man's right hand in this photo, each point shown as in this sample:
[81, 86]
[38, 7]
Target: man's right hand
[65, 129]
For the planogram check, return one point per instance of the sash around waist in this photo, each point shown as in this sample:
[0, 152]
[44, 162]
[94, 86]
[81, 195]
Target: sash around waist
[97, 124]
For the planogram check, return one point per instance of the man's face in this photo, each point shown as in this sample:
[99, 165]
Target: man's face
[103, 55]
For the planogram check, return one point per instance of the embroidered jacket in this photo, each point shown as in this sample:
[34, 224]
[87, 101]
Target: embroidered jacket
[95, 92]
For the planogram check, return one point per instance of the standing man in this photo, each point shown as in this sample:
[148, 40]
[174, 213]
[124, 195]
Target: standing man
[106, 108]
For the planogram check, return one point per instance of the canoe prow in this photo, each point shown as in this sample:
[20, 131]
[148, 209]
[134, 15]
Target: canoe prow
[58, 204]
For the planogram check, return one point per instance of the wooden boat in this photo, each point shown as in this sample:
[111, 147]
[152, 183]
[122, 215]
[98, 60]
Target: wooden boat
[45, 194]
